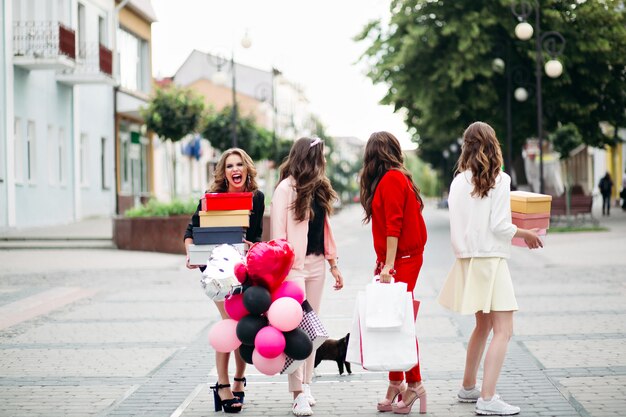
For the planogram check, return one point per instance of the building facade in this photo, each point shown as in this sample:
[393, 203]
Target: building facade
[59, 118]
[274, 102]
[135, 147]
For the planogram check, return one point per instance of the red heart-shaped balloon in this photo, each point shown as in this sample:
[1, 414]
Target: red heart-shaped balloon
[269, 263]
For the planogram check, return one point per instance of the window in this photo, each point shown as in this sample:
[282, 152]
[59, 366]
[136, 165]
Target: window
[50, 160]
[81, 31]
[125, 160]
[144, 166]
[31, 152]
[103, 164]
[134, 61]
[61, 159]
[19, 151]
[102, 31]
[84, 159]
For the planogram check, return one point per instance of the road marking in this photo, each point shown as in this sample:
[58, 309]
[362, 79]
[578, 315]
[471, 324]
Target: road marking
[40, 304]
[181, 408]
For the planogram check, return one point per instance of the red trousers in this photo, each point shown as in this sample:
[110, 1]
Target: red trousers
[407, 270]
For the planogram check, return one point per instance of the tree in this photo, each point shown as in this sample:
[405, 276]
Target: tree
[255, 140]
[436, 57]
[172, 114]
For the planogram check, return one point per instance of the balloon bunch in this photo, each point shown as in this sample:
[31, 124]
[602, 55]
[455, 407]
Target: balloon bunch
[264, 311]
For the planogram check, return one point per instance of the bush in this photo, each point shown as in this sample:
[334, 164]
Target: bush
[157, 208]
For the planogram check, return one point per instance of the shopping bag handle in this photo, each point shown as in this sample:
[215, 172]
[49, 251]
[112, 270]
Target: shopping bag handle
[376, 280]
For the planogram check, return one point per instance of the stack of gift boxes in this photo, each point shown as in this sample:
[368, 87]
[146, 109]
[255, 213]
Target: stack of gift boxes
[223, 219]
[530, 211]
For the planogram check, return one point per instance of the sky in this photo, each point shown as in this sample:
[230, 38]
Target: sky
[310, 41]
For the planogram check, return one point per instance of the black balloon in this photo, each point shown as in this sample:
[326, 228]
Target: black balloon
[248, 327]
[246, 353]
[257, 299]
[298, 345]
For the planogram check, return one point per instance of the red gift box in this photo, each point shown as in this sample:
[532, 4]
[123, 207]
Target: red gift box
[227, 201]
[531, 221]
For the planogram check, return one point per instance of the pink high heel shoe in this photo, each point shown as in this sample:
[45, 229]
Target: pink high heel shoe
[403, 408]
[393, 391]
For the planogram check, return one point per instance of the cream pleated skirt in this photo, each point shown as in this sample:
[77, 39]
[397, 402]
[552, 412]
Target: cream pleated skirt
[478, 284]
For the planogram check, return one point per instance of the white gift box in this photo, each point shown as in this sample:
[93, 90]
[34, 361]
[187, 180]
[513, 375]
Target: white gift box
[199, 254]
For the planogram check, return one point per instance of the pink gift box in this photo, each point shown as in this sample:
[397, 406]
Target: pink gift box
[518, 241]
[531, 221]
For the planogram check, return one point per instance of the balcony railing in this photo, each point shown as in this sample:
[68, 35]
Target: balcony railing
[106, 60]
[43, 40]
[94, 65]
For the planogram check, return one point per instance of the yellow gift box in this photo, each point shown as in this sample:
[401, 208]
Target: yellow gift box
[530, 203]
[225, 218]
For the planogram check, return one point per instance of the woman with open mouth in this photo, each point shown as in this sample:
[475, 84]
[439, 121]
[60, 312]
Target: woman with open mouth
[234, 173]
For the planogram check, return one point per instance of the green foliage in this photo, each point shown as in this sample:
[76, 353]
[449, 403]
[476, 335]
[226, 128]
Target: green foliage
[173, 113]
[255, 140]
[423, 175]
[565, 139]
[436, 58]
[157, 208]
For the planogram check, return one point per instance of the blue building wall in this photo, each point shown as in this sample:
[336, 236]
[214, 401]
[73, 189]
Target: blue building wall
[40, 98]
[3, 137]
[96, 119]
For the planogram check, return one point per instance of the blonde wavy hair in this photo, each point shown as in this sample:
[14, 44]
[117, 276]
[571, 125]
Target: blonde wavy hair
[220, 183]
[481, 154]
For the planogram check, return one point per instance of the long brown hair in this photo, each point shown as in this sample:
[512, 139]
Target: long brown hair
[220, 184]
[382, 153]
[481, 155]
[306, 164]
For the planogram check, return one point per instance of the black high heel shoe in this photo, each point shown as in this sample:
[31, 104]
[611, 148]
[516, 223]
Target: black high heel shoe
[240, 394]
[230, 406]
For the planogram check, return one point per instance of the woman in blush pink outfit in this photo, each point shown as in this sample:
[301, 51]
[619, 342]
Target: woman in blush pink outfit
[300, 208]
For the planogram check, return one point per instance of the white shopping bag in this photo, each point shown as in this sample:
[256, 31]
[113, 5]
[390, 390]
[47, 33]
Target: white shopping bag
[388, 350]
[383, 310]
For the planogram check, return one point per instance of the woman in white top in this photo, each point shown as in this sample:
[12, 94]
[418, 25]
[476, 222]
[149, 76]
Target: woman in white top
[479, 282]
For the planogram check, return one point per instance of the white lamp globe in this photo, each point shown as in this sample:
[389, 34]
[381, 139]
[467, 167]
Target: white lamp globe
[246, 42]
[219, 78]
[520, 94]
[553, 68]
[524, 31]
[498, 65]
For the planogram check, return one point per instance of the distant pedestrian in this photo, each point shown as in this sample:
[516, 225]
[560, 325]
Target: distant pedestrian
[300, 210]
[479, 282]
[606, 188]
[234, 173]
[392, 203]
[623, 192]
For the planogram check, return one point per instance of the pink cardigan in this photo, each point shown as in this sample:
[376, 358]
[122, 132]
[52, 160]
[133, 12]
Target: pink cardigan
[283, 225]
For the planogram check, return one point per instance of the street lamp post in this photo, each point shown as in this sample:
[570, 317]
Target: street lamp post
[220, 78]
[554, 44]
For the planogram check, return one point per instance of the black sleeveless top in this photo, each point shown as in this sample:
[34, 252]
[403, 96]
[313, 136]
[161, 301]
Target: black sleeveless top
[315, 237]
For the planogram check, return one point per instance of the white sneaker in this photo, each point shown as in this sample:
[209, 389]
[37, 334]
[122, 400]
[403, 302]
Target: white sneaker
[301, 406]
[495, 407]
[468, 395]
[306, 389]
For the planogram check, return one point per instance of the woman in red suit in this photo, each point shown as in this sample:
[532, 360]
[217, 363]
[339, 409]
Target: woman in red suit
[393, 205]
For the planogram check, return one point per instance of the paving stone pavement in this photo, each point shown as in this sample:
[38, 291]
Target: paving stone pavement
[133, 342]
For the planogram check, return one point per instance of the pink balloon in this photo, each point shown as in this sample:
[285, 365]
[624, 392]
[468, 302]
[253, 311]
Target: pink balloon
[285, 314]
[268, 366]
[234, 307]
[289, 289]
[223, 336]
[269, 342]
